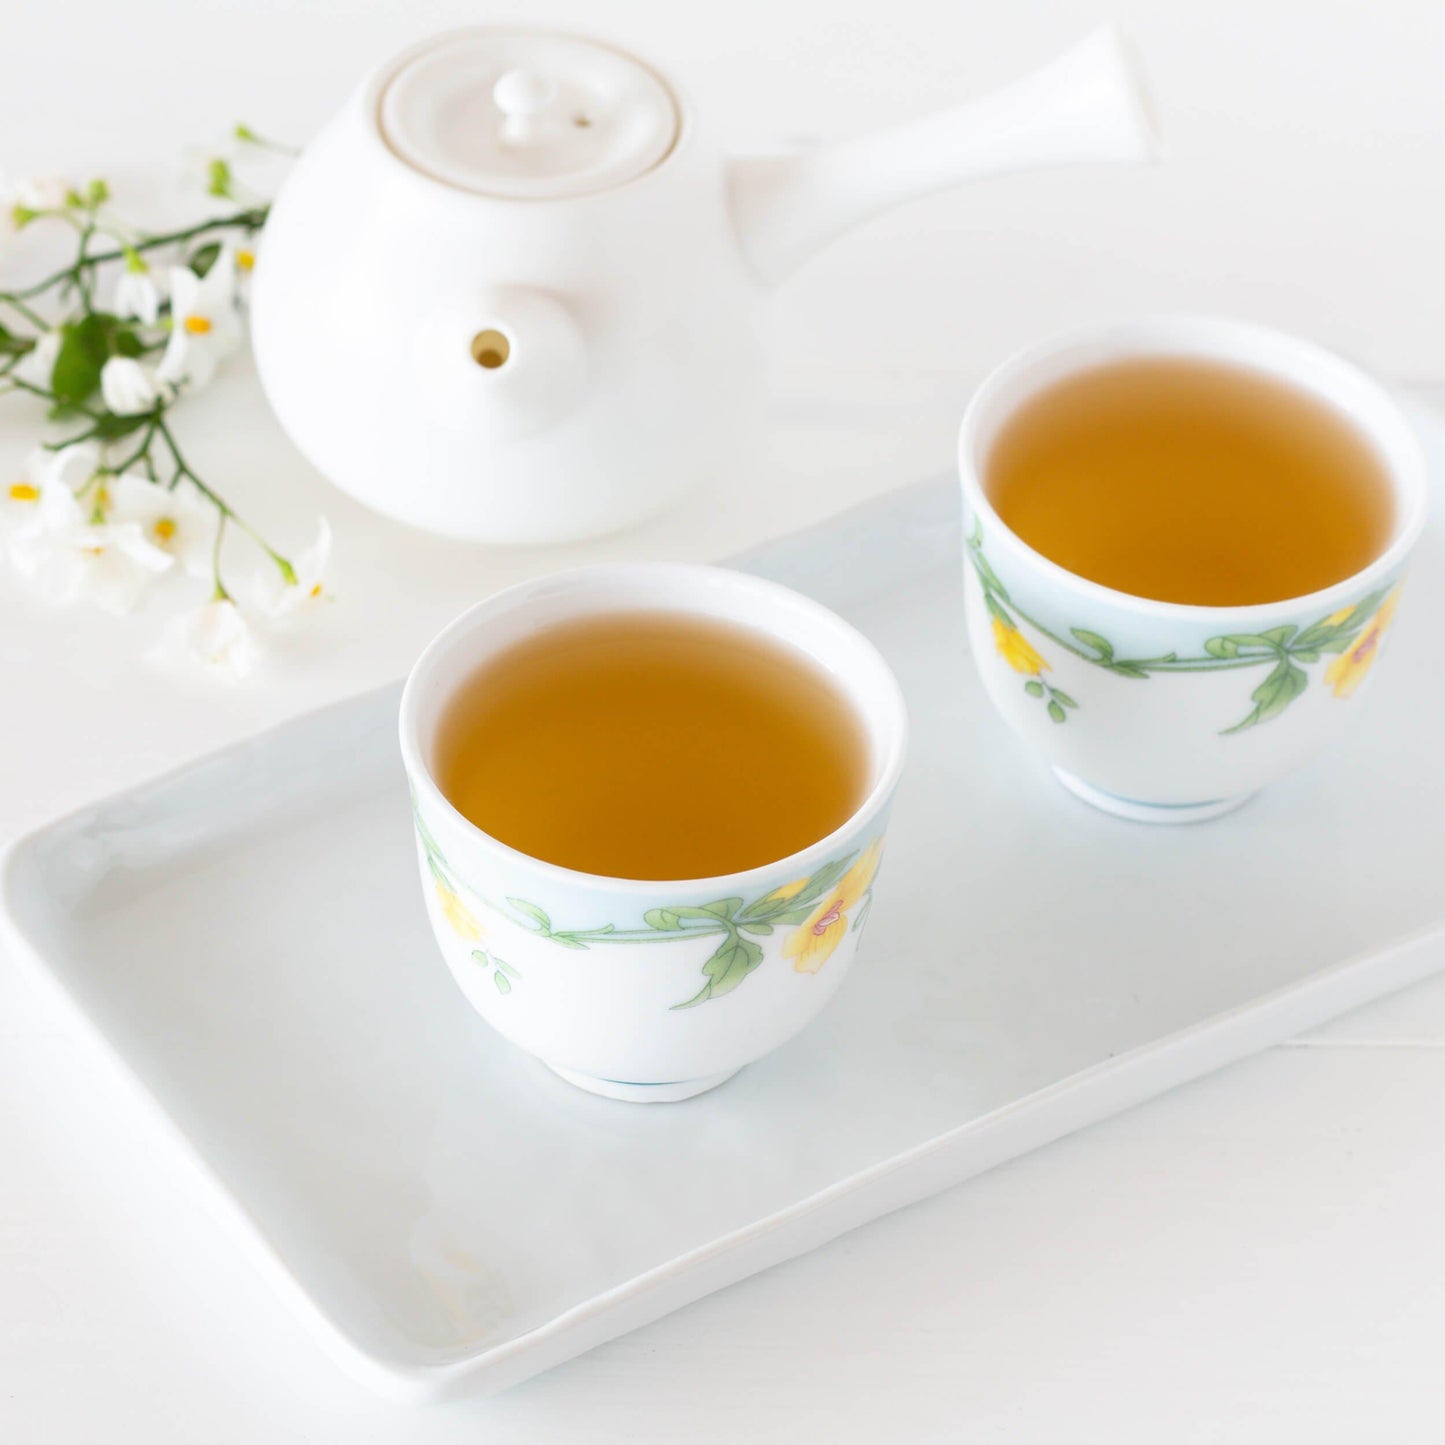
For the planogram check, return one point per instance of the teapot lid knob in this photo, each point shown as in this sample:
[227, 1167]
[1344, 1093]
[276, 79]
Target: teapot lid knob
[526, 115]
[522, 96]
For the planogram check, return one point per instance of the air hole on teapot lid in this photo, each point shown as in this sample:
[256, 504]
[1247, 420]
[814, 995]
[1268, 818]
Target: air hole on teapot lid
[490, 349]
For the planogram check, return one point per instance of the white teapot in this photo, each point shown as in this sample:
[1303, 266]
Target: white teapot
[514, 293]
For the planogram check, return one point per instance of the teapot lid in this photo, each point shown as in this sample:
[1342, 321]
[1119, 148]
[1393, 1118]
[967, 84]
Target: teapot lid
[527, 115]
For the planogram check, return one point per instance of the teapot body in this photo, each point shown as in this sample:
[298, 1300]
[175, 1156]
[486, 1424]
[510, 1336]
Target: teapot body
[507, 370]
[513, 294]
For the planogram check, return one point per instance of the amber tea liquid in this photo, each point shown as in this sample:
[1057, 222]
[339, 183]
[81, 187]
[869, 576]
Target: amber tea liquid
[1191, 481]
[652, 745]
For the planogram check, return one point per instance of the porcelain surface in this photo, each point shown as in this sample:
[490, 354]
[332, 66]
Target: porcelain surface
[1159, 710]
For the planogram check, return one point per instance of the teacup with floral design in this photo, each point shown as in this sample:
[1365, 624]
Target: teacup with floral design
[651, 991]
[1167, 712]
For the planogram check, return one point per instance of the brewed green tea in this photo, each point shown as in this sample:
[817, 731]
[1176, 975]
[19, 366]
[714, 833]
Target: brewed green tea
[1191, 481]
[652, 745]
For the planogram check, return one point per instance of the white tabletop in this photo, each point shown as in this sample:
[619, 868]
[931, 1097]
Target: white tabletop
[1257, 1257]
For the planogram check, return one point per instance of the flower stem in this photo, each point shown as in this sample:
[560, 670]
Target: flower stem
[250, 219]
[228, 513]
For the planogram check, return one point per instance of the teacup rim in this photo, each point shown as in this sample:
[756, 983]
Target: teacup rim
[893, 740]
[1402, 453]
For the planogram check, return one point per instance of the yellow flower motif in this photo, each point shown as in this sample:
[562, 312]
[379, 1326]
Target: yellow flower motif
[1348, 670]
[1014, 648]
[811, 944]
[24, 492]
[457, 914]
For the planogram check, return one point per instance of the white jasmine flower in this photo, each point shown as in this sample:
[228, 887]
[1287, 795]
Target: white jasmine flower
[204, 325]
[216, 636]
[179, 521]
[37, 366]
[20, 502]
[136, 292]
[24, 198]
[245, 256]
[128, 387]
[284, 601]
[67, 556]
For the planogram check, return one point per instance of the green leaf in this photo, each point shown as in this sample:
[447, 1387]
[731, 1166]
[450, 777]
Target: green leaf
[1284, 683]
[505, 967]
[1034, 688]
[1128, 669]
[1092, 639]
[537, 915]
[480, 956]
[1280, 635]
[1063, 697]
[503, 983]
[127, 343]
[662, 919]
[111, 427]
[218, 178]
[735, 959]
[761, 929]
[85, 347]
[723, 907]
[13, 345]
[1056, 712]
[1222, 647]
[204, 257]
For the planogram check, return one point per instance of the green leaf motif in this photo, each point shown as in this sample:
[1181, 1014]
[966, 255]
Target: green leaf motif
[1063, 697]
[1284, 683]
[735, 959]
[761, 930]
[723, 908]
[503, 983]
[1034, 687]
[1279, 635]
[662, 919]
[1102, 646]
[987, 575]
[1222, 647]
[1056, 712]
[995, 610]
[537, 915]
[793, 915]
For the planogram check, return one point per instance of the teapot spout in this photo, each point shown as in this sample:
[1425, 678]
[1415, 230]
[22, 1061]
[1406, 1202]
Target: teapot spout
[1088, 105]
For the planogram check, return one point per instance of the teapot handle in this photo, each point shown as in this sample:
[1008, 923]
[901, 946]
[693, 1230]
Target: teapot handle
[1088, 105]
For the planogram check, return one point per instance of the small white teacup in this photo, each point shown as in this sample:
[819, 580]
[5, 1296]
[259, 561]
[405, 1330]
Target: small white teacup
[1158, 711]
[650, 991]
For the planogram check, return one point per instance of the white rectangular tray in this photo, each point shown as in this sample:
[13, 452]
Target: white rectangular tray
[246, 940]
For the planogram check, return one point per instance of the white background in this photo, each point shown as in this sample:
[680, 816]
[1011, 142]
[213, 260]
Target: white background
[1258, 1257]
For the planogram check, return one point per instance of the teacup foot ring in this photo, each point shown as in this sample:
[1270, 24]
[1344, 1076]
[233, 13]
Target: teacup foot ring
[1136, 812]
[643, 1093]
